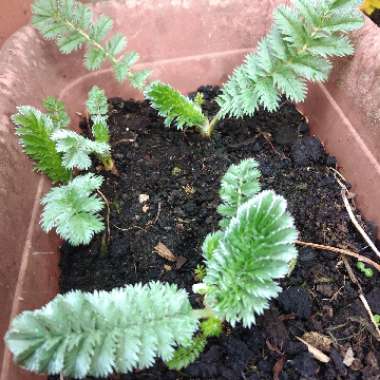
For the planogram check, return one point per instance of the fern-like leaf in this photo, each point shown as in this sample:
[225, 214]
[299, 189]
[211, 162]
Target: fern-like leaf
[256, 249]
[191, 351]
[35, 132]
[97, 106]
[97, 103]
[73, 210]
[56, 110]
[70, 23]
[175, 107]
[82, 334]
[76, 149]
[238, 185]
[187, 354]
[100, 129]
[298, 48]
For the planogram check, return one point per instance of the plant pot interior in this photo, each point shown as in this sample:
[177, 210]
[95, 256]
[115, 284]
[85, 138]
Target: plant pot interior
[165, 198]
[167, 188]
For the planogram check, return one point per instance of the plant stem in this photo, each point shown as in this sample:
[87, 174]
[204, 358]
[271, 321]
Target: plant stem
[108, 163]
[203, 313]
[90, 40]
[208, 128]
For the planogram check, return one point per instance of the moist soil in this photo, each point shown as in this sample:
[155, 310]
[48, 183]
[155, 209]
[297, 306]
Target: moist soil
[166, 191]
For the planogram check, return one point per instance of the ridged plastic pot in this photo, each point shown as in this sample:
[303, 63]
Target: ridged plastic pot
[187, 43]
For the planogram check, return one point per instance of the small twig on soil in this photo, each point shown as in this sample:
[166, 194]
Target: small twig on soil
[351, 214]
[129, 228]
[357, 225]
[108, 214]
[340, 251]
[353, 278]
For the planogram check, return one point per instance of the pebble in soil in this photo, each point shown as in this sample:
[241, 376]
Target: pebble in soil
[180, 172]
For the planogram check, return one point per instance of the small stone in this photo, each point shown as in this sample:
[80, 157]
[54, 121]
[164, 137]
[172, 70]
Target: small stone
[296, 300]
[143, 198]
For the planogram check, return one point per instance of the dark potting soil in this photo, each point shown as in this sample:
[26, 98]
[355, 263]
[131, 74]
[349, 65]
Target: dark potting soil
[180, 173]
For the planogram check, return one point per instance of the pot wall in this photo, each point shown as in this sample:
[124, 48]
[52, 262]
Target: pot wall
[187, 43]
[13, 15]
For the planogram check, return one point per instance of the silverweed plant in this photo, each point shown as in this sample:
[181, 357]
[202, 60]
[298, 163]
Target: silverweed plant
[96, 334]
[304, 38]
[73, 208]
[71, 25]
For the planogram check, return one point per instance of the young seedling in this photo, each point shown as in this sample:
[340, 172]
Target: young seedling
[80, 334]
[299, 47]
[35, 131]
[72, 209]
[97, 107]
[71, 25]
[368, 272]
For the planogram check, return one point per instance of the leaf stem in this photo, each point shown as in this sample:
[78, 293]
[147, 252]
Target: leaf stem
[208, 129]
[203, 313]
[90, 40]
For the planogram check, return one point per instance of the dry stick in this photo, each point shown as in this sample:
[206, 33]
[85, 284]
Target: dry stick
[357, 225]
[369, 242]
[340, 251]
[353, 278]
[351, 213]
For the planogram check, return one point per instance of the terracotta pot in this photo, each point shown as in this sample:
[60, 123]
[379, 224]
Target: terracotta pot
[187, 43]
[13, 15]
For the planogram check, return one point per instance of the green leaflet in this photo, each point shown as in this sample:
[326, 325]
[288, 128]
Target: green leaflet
[97, 103]
[238, 185]
[71, 24]
[73, 210]
[175, 107]
[95, 334]
[35, 132]
[298, 48]
[56, 111]
[76, 149]
[186, 355]
[190, 352]
[97, 106]
[256, 248]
